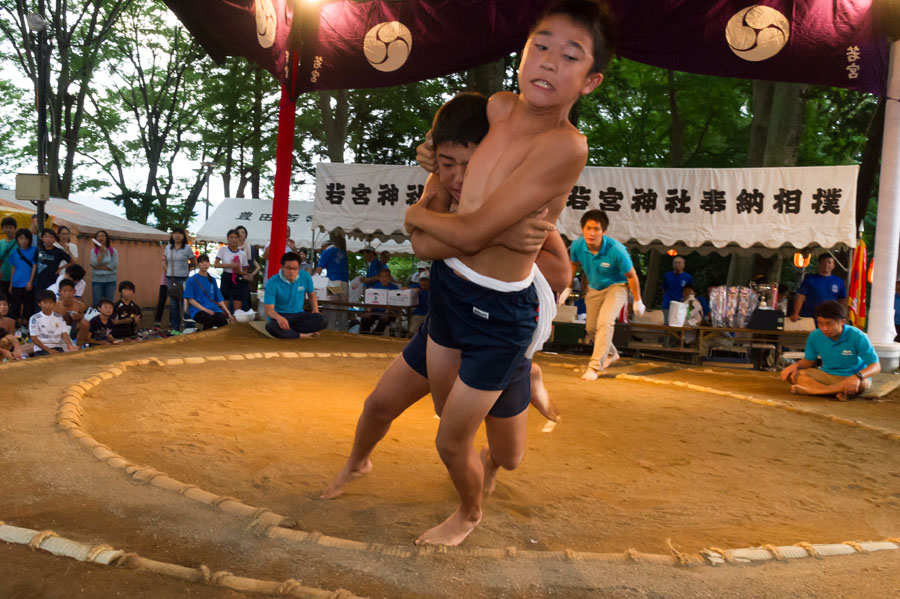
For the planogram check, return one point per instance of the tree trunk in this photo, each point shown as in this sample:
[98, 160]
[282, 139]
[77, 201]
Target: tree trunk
[676, 129]
[256, 141]
[648, 294]
[486, 79]
[334, 122]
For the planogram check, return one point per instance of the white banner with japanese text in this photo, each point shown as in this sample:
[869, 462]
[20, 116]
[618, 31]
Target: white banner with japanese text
[771, 207]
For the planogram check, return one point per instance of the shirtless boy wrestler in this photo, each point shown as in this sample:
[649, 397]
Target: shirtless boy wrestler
[458, 128]
[484, 304]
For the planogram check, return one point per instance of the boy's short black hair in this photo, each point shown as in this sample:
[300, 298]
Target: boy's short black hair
[595, 215]
[26, 233]
[203, 258]
[3, 298]
[289, 257]
[51, 232]
[126, 285]
[75, 272]
[595, 17]
[461, 120]
[106, 300]
[831, 309]
[8, 221]
[232, 232]
[46, 296]
[66, 283]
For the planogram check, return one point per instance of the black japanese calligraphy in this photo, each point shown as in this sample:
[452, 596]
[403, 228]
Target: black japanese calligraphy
[610, 200]
[787, 201]
[334, 193]
[827, 200]
[388, 194]
[643, 200]
[360, 194]
[713, 201]
[413, 193]
[244, 216]
[677, 201]
[578, 199]
[750, 201]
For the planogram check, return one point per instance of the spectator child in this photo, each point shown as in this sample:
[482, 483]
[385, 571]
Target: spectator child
[102, 324]
[126, 313]
[7, 331]
[249, 275]
[75, 273]
[7, 245]
[234, 263]
[72, 312]
[179, 258]
[48, 329]
[105, 267]
[24, 268]
[50, 260]
[304, 265]
[206, 304]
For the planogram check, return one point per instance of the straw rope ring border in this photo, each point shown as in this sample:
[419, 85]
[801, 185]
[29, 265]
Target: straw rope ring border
[266, 523]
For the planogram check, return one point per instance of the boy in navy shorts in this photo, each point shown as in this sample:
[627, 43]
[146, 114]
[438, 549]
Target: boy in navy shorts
[485, 303]
[458, 128]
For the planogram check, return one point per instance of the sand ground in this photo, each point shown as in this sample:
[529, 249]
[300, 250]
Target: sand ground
[630, 465]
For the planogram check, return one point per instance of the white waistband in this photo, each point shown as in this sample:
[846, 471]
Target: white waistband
[489, 282]
[546, 314]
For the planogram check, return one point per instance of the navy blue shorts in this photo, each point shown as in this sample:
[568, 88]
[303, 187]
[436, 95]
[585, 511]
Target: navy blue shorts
[512, 401]
[492, 329]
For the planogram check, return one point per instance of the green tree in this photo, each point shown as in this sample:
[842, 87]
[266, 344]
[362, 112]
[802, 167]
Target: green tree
[78, 31]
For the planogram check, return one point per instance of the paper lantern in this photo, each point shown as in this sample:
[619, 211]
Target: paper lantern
[672, 252]
[801, 260]
[871, 271]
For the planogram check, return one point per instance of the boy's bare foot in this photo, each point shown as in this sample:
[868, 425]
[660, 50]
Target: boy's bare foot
[305, 335]
[610, 358]
[590, 375]
[451, 531]
[795, 390]
[841, 397]
[540, 399]
[347, 474]
[490, 472]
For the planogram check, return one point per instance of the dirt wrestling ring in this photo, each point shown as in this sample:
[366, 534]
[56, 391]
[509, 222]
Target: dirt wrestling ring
[202, 458]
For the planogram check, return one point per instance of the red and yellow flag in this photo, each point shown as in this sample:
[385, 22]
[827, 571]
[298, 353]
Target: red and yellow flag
[856, 296]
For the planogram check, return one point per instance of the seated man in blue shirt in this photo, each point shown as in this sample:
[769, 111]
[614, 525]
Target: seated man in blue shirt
[848, 358]
[674, 282]
[377, 316]
[897, 312]
[820, 287]
[286, 293]
[206, 305]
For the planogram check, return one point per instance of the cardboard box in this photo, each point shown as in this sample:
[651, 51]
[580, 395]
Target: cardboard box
[378, 297]
[403, 297]
[566, 314]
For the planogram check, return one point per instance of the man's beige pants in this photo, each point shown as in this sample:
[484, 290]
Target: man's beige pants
[603, 308]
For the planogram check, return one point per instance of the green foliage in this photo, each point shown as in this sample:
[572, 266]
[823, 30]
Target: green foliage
[17, 137]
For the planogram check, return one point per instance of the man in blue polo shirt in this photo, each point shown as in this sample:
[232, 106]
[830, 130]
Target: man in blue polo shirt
[674, 282]
[897, 312]
[818, 288]
[373, 266]
[848, 358]
[608, 269]
[285, 294]
[333, 261]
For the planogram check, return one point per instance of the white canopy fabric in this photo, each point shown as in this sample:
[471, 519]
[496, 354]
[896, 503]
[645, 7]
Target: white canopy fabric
[755, 210]
[256, 216]
[88, 220]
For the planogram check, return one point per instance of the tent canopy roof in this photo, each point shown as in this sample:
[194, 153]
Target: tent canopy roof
[87, 220]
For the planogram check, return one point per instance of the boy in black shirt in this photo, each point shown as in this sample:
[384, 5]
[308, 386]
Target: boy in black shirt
[49, 261]
[126, 313]
[102, 324]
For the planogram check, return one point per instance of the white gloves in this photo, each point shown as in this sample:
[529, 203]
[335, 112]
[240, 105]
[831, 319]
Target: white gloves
[639, 307]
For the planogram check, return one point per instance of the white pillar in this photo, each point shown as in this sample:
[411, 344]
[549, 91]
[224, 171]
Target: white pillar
[887, 233]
